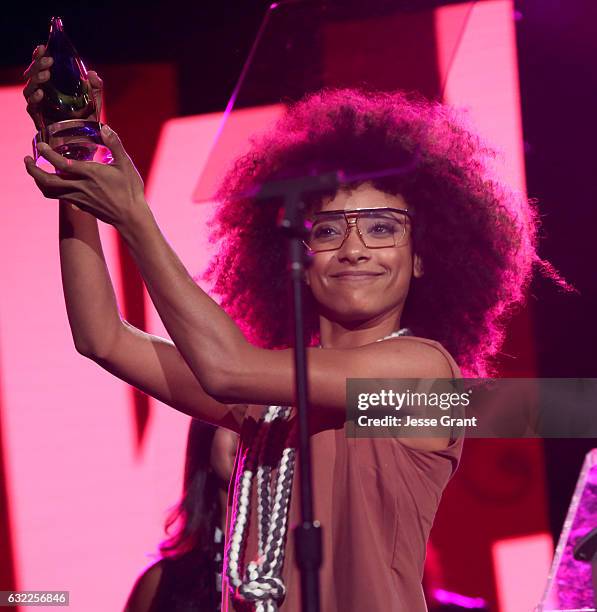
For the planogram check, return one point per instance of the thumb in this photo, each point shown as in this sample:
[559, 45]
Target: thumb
[95, 80]
[97, 86]
[112, 141]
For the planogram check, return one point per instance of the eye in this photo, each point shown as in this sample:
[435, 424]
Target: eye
[382, 228]
[325, 230]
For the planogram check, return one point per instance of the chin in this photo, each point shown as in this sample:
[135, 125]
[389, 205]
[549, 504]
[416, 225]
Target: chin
[350, 313]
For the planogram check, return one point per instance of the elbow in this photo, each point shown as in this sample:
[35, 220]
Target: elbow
[85, 349]
[223, 382]
[85, 346]
[98, 347]
[92, 351]
[219, 385]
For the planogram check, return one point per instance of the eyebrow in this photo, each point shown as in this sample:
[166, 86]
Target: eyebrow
[382, 210]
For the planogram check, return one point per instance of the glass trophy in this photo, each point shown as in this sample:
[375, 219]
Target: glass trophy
[68, 110]
[570, 584]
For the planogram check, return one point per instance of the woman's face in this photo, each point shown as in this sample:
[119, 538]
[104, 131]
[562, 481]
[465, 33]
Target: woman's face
[355, 283]
[223, 453]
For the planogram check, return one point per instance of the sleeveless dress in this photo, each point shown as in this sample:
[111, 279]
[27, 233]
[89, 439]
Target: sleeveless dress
[376, 499]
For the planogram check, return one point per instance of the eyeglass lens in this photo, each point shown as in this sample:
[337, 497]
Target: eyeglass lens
[383, 229]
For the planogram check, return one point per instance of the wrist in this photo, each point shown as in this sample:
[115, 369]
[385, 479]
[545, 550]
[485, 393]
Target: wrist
[72, 209]
[137, 224]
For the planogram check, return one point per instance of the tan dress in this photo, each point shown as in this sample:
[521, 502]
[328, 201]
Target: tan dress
[376, 499]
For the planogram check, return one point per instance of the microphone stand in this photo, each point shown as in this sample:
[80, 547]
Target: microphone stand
[308, 533]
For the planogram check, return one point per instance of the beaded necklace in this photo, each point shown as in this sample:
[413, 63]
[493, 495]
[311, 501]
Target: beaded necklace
[263, 584]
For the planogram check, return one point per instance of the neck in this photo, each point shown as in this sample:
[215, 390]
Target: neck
[338, 335]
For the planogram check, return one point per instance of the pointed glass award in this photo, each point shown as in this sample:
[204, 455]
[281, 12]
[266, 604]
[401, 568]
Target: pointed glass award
[68, 110]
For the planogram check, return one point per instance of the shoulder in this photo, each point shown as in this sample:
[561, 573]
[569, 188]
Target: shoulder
[426, 358]
[145, 589]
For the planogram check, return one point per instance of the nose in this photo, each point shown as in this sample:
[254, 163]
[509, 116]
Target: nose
[353, 248]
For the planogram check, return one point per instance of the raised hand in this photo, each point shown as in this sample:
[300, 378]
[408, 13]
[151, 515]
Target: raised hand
[38, 72]
[111, 192]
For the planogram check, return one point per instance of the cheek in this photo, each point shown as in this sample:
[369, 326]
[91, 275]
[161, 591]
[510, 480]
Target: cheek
[315, 272]
[223, 451]
[399, 263]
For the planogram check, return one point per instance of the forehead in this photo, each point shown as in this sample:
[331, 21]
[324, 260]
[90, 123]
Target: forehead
[363, 196]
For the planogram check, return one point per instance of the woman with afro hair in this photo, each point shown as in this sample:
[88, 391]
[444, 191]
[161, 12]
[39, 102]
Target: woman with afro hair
[411, 273]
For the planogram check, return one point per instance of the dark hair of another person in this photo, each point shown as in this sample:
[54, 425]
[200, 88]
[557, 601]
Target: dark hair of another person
[191, 523]
[189, 565]
[476, 237]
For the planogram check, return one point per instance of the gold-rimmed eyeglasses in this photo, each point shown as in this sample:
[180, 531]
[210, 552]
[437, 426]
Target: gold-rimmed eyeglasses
[378, 228]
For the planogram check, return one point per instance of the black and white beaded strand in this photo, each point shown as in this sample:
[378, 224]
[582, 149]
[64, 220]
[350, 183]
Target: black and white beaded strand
[263, 584]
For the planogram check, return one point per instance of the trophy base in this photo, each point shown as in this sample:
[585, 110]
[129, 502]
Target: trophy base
[78, 139]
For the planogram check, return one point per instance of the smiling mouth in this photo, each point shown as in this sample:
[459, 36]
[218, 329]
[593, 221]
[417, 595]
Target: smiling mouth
[344, 276]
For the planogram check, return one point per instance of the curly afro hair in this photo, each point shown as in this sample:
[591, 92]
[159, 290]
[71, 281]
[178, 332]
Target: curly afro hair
[477, 238]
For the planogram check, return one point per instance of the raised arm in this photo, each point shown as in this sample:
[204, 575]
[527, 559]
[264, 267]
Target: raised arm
[148, 362]
[234, 370]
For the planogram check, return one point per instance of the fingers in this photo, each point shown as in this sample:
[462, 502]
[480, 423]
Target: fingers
[97, 86]
[39, 62]
[33, 106]
[38, 53]
[51, 185]
[64, 188]
[62, 164]
[112, 141]
[61, 187]
[36, 74]
[95, 80]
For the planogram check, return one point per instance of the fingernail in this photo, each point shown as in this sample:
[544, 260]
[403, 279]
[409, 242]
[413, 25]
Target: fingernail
[106, 131]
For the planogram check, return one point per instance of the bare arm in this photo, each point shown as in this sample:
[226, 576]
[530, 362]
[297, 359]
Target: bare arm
[233, 369]
[88, 293]
[148, 362]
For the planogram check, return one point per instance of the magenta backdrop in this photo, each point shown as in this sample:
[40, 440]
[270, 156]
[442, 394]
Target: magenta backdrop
[91, 466]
